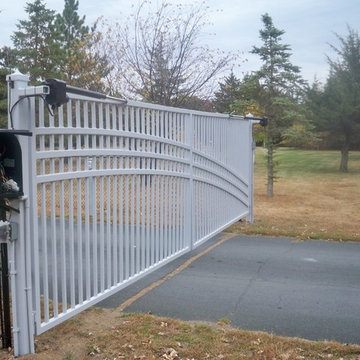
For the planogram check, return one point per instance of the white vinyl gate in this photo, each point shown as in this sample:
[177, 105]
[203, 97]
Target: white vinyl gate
[114, 189]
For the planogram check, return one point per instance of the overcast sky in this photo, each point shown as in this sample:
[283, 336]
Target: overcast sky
[309, 25]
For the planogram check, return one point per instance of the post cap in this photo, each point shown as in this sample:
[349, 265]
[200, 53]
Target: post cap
[18, 76]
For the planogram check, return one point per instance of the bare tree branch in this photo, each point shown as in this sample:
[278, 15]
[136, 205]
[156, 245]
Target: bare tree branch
[158, 56]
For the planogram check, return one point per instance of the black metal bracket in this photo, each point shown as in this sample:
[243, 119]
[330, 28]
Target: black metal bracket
[16, 132]
[263, 120]
[59, 88]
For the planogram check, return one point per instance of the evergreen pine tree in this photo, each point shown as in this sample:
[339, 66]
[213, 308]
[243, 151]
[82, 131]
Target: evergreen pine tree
[280, 86]
[37, 42]
[336, 106]
[229, 93]
[83, 64]
[3, 98]
[70, 26]
[7, 65]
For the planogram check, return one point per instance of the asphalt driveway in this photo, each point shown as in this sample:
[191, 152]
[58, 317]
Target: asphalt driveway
[307, 289]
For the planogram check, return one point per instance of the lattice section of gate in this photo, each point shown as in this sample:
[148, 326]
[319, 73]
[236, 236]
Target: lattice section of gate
[118, 188]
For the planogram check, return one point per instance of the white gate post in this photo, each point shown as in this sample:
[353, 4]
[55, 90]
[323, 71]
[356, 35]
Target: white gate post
[21, 117]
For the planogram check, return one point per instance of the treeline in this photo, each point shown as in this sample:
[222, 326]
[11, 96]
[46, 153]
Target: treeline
[328, 115]
[48, 45]
[152, 55]
[316, 116]
[157, 56]
[320, 116]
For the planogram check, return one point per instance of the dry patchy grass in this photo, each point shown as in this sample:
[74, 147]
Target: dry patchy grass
[110, 334]
[312, 199]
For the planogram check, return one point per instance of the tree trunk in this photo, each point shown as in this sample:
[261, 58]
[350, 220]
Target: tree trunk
[345, 154]
[270, 168]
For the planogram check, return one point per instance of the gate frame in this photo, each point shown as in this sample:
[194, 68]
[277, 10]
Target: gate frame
[20, 101]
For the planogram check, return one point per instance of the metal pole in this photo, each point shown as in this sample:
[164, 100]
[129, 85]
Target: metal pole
[5, 311]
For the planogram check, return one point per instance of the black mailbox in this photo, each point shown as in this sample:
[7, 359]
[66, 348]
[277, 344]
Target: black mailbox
[11, 182]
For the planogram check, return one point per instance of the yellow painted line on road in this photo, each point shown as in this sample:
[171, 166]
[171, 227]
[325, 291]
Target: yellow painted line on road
[182, 267]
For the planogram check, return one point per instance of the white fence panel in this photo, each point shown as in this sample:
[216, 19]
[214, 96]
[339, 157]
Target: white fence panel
[112, 179]
[116, 189]
[221, 179]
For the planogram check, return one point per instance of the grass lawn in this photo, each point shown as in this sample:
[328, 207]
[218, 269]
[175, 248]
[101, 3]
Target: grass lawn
[313, 200]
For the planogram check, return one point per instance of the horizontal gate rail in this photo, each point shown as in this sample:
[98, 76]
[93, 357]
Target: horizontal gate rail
[115, 189]
[222, 166]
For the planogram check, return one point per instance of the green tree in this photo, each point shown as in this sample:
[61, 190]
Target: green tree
[197, 103]
[86, 66]
[228, 94]
[70, 26]
[61, 46]
[7, 65]
[83, 65]
[3, 98]
[73, 36]
[7, 58]
[302, 133]
[248, 93]
[36, 41]
[278, 90]
[342, 94]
